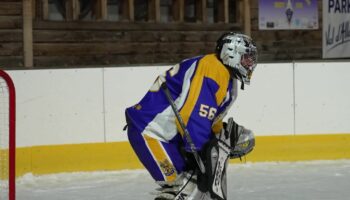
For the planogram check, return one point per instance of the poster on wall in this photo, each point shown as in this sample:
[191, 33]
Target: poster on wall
[336, 29]
[288, 14]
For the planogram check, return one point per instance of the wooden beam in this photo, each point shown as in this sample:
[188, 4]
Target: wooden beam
[131, 10]
[104, 11]
[128, 10]
[239, 10]
[178, 10]
[72, 10]
[201, 11]
[223, 11]
[101, 9]
[27, 33]
[45, 9]
[247, 18]
[154, 10]
[109, 25]
[34, 2]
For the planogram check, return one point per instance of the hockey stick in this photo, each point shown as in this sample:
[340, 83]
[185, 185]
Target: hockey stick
[183, 127]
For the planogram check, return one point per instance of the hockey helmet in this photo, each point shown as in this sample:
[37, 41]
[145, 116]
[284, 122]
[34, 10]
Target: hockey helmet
[238, 52]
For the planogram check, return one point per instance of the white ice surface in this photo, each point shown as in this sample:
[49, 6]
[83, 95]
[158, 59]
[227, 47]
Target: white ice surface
[316, 180]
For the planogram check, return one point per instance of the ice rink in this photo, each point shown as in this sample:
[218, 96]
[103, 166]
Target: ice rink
[321, 180]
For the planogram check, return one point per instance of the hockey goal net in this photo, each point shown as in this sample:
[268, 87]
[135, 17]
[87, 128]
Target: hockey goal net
[7, 137]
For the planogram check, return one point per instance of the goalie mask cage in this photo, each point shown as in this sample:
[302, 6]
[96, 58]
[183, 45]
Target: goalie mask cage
[7, 137]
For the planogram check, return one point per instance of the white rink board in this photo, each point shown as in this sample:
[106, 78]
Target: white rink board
[69, 106]
[58, 106]
[266, 105]
[322, 97]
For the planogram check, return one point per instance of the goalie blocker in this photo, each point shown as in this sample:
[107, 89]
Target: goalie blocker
[234, 141]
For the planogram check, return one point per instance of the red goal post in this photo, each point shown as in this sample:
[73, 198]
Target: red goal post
[7, 137]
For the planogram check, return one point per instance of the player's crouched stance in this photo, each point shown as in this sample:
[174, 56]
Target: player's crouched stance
[234, 141]
[177, 129]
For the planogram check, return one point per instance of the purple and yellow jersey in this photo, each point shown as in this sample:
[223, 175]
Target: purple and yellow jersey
[203, 92]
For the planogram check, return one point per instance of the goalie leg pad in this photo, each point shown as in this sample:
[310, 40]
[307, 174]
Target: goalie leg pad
[215, 181]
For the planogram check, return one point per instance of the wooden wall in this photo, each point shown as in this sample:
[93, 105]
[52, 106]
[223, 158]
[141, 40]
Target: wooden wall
[104, 43]
[75, 43]
[11, 51]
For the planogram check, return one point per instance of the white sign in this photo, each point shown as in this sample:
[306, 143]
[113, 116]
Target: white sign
[336, 28]
[288, 14]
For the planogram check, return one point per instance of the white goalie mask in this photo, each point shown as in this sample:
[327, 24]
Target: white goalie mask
[239, 53]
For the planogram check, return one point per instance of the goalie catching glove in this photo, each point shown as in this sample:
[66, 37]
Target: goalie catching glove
[242, 140]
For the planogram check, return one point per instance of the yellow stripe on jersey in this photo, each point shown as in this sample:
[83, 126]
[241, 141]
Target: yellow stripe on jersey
[209, 66]
[218, 72]
[195, 88]
[166, 166]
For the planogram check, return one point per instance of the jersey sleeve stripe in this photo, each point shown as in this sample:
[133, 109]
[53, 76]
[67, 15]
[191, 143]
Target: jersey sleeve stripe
[192, 97]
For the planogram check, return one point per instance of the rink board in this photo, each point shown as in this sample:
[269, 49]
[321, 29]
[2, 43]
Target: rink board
[73, 106]
[119, 155]
[72, 119]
